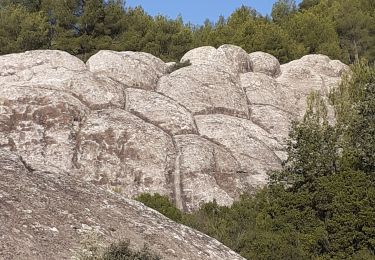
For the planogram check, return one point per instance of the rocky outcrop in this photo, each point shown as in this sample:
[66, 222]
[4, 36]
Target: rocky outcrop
[264, 63]
[47, 214]
[131, 69]
[207, 131]
[203, 89]
[227, 57]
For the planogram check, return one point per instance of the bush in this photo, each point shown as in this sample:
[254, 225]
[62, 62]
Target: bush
[121, 251]
[93, 249]
[161, 204]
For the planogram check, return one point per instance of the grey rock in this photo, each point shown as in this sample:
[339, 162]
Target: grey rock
[264, 63]
[272, 107]
[250, 144]
[132, 69]
[170, 66]
[59, 71]
[41, 125]
[227, 57]
[207, 131]
[160, 110]
[203, 89]
[207, 171]
[311, 73]
[47, 215]
[118, 149]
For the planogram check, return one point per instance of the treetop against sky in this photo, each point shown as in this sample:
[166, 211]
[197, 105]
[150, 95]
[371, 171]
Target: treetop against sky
[197, 11]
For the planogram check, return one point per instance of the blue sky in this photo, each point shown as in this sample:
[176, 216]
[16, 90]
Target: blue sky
[196, 11]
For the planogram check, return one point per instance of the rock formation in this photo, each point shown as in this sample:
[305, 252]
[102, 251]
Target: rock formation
[207, 131]
[69, 131]
[46, 215]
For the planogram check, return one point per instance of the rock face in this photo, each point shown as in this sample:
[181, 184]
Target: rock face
[207, 131]
[45, 215]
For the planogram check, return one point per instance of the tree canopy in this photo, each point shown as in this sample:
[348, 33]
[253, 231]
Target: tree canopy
[83, 27]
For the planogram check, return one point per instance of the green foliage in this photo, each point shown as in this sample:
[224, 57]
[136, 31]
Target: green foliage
[282, 9]
[84, 27]
[311, 148]
[21, 30]
[354, 102]
[121, 251]
[92, 249]
[162, 204]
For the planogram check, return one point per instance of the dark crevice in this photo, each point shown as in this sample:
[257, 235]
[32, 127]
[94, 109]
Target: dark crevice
[26, 165]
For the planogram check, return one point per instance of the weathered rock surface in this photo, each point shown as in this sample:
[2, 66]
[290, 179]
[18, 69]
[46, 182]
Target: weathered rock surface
[118, 149]
[215, 168]
[264, 63]
[207, 131]
[45, 215]
[250, 144]
[226, 57]
[272, 107]
[132, 69]
[60, 72]
[205, 90]
[311, 73]
[160, 110]
[69, 131]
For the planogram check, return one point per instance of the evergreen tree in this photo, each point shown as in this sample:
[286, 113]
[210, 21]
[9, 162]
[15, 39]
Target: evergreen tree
[282, 9]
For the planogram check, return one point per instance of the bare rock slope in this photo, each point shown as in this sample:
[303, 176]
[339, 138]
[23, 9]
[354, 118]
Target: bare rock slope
[45, 215]
[207, 131]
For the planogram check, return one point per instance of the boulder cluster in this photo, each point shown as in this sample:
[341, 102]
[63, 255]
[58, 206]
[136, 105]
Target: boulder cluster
[123, 120]
[73, 133]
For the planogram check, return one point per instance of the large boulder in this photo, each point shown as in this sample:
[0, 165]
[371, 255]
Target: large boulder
[272, 107]
[160, 110]
[48, 215]
[202, 89]
[264, 63]
[207, 171]
[311, 73]
[227, 57]
[118, 149]
[41, 125]
[252, 147]
[131, 69]
[59, 72]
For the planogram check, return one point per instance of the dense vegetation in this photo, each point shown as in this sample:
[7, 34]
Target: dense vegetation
[82, 27]
[322, 204]
[93, 249]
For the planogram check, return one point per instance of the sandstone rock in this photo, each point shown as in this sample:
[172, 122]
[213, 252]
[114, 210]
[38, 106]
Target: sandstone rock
[118, 149]
[272, 107]
[205, 90]
[41, 125]
[132, 69]
[311, 73]
[200, 55]
[45, 215]
[160, 110]
[210, 131]
[264, 63]
[59, 71]
[250, 144]
[228, 57]
[207, 171]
